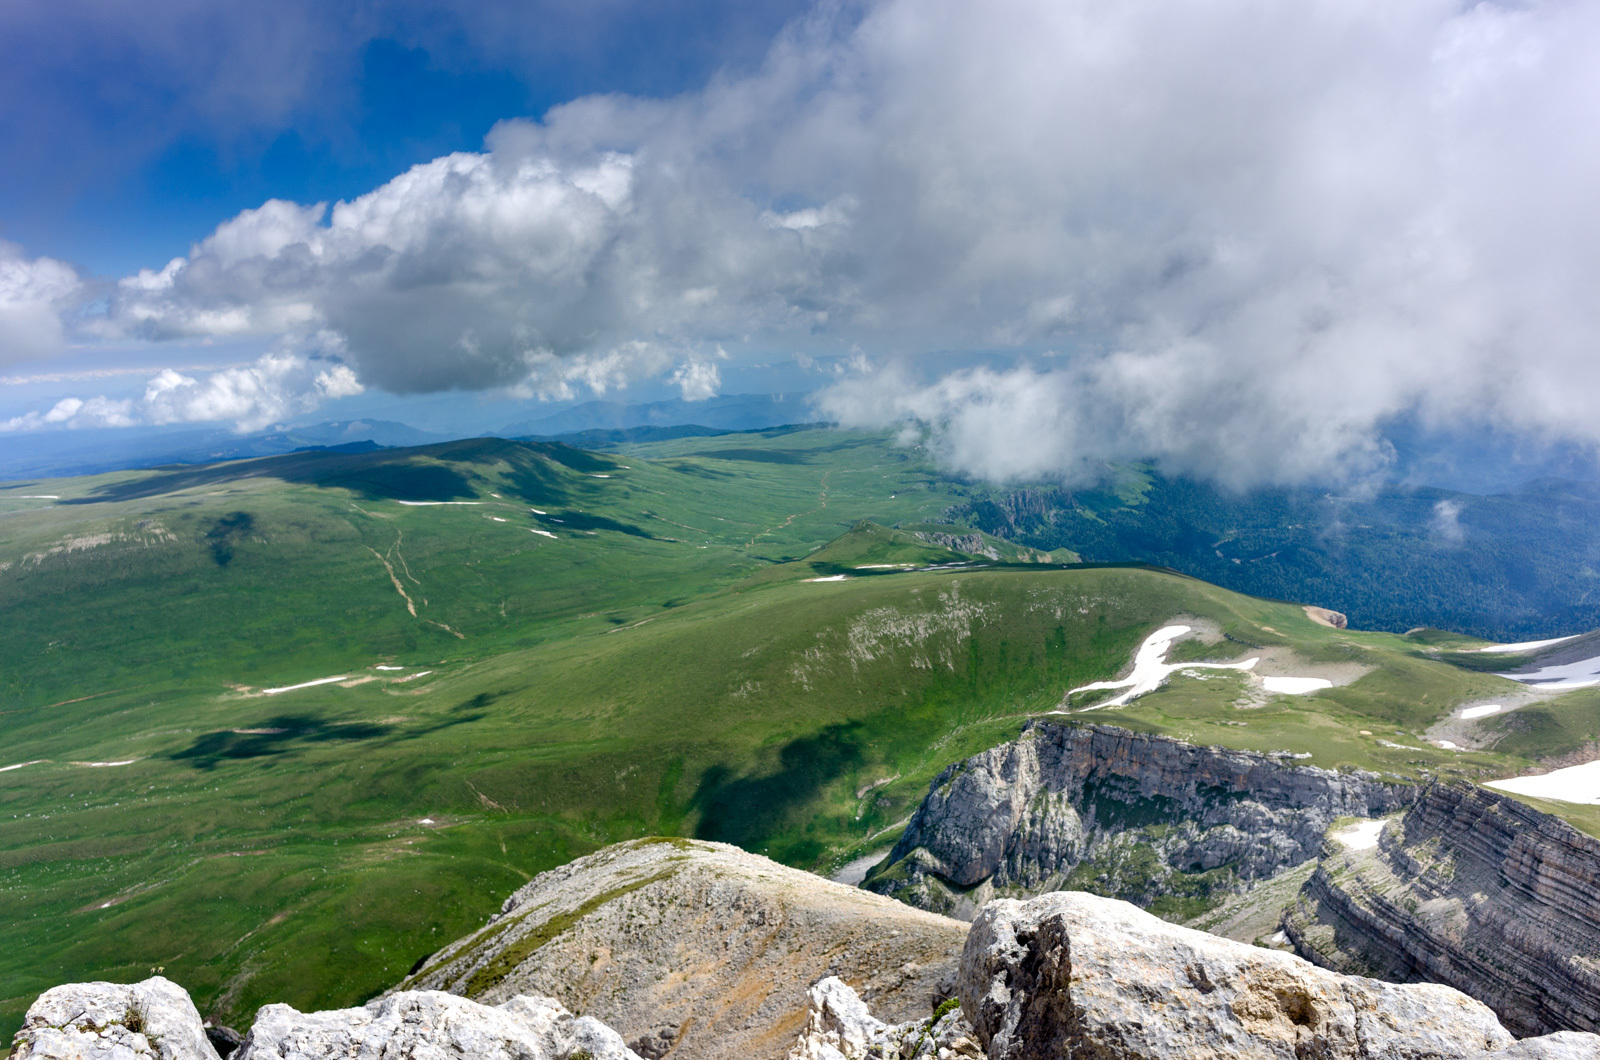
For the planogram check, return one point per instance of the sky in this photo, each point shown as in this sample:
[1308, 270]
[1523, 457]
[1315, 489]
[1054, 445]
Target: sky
[1240, 238]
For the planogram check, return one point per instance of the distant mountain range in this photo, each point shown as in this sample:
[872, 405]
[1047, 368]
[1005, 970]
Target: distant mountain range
[594, 424]
[729, 412]
[50, 454]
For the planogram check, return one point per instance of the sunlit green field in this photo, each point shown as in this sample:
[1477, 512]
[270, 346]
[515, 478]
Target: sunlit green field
[657, 660]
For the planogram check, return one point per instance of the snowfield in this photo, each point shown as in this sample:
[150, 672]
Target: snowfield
[1585, 673]
[1580, 784]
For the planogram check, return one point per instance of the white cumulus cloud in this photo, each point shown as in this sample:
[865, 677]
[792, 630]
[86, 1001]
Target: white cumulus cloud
[34, 292]
[1250, 233]
[274, 387]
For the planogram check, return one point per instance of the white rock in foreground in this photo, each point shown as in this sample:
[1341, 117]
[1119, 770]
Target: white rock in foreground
[1071, 974]
[433, 1025]
[113, 1021]
[839, 1026]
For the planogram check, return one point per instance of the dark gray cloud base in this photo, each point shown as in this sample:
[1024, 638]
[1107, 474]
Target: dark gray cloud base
[1247, 234]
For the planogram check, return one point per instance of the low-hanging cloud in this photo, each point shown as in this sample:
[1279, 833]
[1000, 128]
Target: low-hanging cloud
[1248, 233]
[34, 293]
[275, 386]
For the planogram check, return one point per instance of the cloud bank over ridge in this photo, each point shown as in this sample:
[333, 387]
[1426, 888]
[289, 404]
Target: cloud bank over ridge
[1235, 237]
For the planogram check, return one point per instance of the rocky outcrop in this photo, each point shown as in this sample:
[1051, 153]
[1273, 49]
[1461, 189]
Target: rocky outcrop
[113, 1021]
[1121, 813]
[699, 949]
[1473, 889]
[428, 1023]
[155, 1018]
[839, 1026]
[1075, 975]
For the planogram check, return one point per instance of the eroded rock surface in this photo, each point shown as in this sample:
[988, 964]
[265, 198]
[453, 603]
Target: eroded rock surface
[113, 1021]
[434, 1025]
[1140, 817]
[700, 949]
[1473, 889]
[1075, 975]
[839, 1025]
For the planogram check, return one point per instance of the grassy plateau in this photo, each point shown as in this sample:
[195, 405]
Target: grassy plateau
[526, 651]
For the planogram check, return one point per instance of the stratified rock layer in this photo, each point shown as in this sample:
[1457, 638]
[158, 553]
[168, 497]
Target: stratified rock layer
[1020, 818]
[113, 1021]
[699, 948]
[1071, 975]
[1472, 889]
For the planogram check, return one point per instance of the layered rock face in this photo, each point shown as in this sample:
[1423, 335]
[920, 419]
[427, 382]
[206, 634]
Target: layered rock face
[699, 949]
[1472, 889]
[1075, 975]
[1121, 813]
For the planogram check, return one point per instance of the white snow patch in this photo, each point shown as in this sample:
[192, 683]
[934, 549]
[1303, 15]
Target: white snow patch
[430, 504]
[19, 765]
[544, 533]
[1526, 645]
[883, 566]
[829, 578]
[1580, 784]
[536, 511]
[1585, 673]
[305, 684]
[593, 475]
[426, 820]
[1295, 686]
[497, 519]
[1481, 712]
[1150, 668]
[412, 677]
[388, 667]
[1363, 835]
[1280, 939]
[1447, 745]
[38, 497]
[102, 765]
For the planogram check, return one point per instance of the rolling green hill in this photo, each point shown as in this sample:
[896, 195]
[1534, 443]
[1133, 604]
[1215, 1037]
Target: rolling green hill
[715, 637]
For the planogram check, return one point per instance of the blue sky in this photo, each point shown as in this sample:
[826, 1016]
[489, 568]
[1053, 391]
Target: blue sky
[1237, 238]
[127, 138]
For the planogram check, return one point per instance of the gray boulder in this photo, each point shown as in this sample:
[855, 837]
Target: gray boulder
[1072, 974]
[113, 1021]
[434, 1025]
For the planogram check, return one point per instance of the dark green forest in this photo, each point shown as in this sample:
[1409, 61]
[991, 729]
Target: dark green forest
[1508, 566]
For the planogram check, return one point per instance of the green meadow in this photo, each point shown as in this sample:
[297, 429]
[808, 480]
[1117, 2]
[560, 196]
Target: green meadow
[544, 651]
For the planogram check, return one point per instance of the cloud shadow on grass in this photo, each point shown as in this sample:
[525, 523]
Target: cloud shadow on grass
[746, 811]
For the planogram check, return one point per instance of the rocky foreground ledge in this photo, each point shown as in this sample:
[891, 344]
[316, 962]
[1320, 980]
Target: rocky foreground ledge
[1066, 975]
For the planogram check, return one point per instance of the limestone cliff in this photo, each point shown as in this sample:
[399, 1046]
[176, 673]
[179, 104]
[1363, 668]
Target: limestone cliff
[1150, 819]
[1473, 889]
